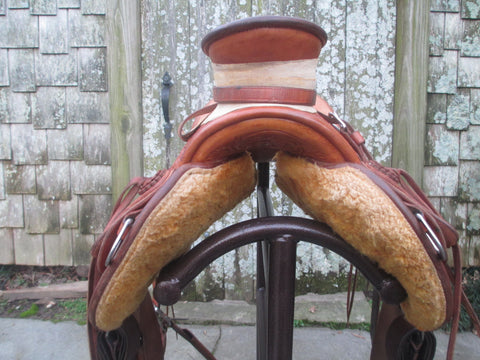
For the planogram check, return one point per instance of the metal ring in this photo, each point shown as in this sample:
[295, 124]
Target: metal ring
[338, 119]
[118, 240]
[432, 236]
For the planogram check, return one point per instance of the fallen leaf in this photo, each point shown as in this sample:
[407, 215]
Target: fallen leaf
[51, 304]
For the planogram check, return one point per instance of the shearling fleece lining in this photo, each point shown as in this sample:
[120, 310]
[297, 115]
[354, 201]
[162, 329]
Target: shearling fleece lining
[198, 199]
[361, 213]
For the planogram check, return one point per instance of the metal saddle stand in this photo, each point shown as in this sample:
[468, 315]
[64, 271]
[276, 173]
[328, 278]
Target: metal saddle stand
[277, 238]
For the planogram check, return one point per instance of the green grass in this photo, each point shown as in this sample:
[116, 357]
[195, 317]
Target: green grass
[298, 323]
[332, 325]
[71, 310]
[30, 312]
[471, 285]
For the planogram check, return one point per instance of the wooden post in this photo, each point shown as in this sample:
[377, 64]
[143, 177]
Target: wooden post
[411, 71]
[125, 91]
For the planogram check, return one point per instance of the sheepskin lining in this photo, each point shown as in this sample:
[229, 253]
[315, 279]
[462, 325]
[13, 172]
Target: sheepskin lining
[361, 213]
[198, 199]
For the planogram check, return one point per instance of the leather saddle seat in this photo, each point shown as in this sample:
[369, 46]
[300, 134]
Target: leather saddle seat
[265, 108]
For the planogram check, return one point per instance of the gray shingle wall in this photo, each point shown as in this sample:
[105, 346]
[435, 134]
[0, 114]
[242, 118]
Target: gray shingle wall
[55, 164]
[452, 172]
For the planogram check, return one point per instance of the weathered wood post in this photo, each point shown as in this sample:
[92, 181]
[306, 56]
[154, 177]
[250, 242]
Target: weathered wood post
[411, 71]
[125, 91]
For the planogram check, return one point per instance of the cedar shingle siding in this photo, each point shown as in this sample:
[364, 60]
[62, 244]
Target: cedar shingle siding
[452, 149]
[55, 173]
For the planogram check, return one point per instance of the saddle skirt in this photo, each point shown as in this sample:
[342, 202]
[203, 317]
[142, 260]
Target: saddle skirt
[265, 108]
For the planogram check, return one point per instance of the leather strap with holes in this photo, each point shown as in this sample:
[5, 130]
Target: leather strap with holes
[264, 94]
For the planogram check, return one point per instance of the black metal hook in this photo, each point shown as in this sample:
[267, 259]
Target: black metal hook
[167, 83]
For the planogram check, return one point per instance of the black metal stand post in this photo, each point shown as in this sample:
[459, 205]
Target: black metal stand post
[264, 209]
[281, 297]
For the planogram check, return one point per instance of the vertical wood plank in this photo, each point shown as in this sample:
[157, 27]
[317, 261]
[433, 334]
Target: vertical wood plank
[180, 64]
[125, 95]
[166, 48]
[231, 275]
[410, 106]
[330, 15]
[267, 7]
[204, 17]
[156, 50]
[370, 63]
[304, 9]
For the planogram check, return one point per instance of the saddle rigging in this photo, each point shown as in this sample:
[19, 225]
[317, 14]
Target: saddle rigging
[260, 113]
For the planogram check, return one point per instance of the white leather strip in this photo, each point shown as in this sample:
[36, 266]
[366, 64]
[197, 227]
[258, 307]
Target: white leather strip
[295, 74]
[225, 108]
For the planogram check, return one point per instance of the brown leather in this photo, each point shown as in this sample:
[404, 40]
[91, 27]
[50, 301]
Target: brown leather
[396, 339]
[139, 209]
[261, 39]
[140, 337]
[264, 94]
[246, 130]
[264, 131]
[317, 135]
[188, 336]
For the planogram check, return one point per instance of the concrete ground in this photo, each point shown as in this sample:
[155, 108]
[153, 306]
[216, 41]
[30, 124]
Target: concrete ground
[231, 337]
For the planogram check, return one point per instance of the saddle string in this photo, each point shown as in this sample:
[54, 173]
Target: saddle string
[471, 313]
[353, 137]
[352, 285]
[374, 313]
[128, 206]
[128, 194]
[464, 300]
[169, 321]
[456, 300]
[186, 334]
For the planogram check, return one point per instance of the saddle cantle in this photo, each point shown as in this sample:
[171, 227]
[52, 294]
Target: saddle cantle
[265, 108]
